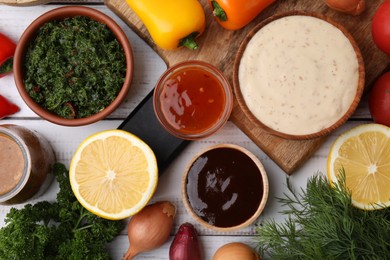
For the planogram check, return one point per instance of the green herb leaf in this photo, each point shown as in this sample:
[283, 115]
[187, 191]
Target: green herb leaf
[74, 61]
[56, 230]
[322, 223]
[6, 66]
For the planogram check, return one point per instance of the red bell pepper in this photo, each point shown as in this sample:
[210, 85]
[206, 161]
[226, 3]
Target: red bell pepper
[7, 50]
[7, 108]
[235, 14]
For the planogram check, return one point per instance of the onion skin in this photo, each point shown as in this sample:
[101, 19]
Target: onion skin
[353, 7]
[150, 228]
[185, 245]
[234, 251]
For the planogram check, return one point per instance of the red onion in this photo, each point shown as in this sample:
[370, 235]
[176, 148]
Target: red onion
[185, 245]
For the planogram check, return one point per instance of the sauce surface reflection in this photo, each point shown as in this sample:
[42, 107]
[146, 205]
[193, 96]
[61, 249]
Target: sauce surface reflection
[224, 187]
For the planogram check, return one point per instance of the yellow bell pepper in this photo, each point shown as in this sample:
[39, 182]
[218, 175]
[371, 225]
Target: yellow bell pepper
[171, 23]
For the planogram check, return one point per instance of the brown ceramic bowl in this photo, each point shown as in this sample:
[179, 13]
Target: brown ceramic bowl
[29, 35]
[271, 127]
[225, 188]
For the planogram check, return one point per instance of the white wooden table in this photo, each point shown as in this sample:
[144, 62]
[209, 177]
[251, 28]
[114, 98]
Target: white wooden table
[148, 68]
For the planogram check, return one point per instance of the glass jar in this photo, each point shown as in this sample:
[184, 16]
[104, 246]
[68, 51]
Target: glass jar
[26, 160]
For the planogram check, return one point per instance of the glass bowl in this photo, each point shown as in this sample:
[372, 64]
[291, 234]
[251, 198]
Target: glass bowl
[193, 100]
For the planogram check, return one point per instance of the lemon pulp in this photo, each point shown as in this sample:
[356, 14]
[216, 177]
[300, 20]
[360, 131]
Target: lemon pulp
[113, 174]
[364, 154]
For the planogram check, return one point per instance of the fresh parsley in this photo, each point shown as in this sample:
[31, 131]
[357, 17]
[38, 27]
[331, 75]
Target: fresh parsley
[57, 230]
[74, 67]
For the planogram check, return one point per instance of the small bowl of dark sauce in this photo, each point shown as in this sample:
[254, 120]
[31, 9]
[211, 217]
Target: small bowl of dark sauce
[225, 187]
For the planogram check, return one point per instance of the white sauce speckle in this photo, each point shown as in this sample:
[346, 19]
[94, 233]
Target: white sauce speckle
[299, 75]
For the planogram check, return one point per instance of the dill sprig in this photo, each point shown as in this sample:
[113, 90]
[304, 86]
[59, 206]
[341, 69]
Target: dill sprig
[322, 223]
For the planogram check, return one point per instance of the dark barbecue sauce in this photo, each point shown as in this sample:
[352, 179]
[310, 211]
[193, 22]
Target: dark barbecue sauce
[224, 187]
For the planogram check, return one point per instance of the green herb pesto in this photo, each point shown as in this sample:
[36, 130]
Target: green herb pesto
[74, 67]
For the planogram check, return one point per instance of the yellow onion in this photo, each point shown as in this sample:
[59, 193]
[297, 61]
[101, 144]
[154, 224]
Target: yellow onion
[150, 228]
[353, 7]
[234, 251]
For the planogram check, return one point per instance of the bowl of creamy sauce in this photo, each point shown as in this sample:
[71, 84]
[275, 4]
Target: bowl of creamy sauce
[298, 75]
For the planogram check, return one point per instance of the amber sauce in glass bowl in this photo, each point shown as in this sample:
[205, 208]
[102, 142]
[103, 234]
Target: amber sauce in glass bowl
[192, 100]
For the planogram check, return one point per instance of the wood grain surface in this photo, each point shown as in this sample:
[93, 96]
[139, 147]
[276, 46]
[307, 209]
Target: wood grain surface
[219, 46]
[24, 2]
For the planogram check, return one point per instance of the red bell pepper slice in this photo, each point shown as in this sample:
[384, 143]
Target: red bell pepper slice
[7, 108]
[7, 50]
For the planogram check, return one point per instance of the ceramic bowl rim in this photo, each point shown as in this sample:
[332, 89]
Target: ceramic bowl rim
[61, 13]
[212, 70]
[263, 201]
[325, 131]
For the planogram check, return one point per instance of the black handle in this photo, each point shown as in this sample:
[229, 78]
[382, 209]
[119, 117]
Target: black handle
[143, 123]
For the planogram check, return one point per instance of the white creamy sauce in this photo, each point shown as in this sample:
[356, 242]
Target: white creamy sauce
[299, 75]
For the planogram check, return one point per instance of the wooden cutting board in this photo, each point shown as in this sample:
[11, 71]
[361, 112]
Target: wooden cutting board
[219, 46]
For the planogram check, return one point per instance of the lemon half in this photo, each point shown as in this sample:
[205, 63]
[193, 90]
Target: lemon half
[113, 174]
[364, 154]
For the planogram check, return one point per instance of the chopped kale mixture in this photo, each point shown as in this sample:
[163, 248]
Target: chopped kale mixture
[74, 67]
